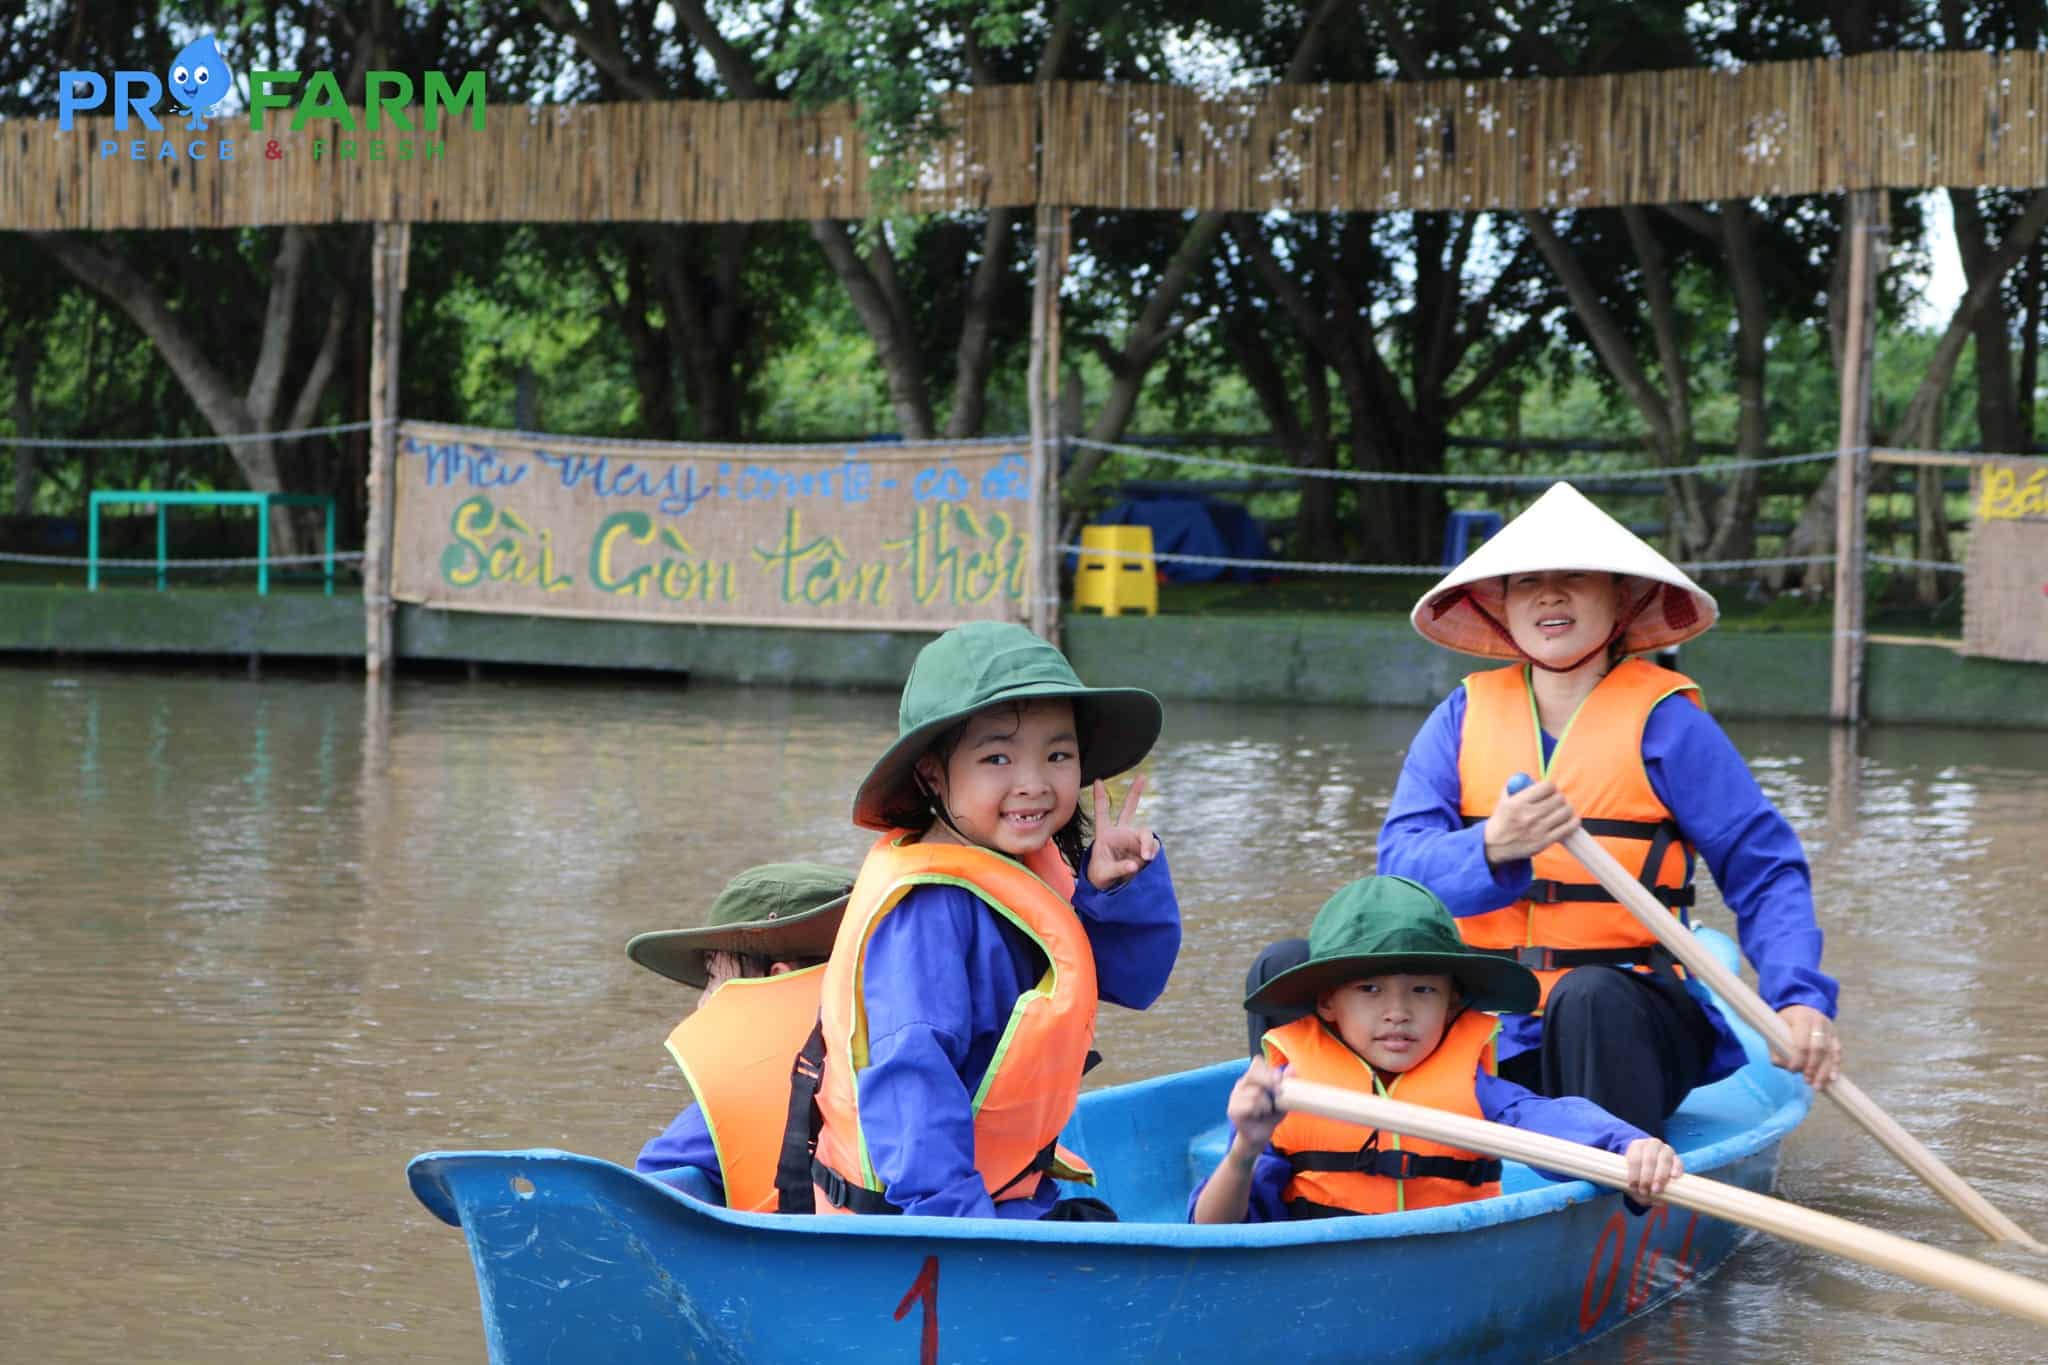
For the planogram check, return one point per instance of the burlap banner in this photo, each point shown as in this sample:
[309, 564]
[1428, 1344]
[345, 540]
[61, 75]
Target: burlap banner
[918, 535]
[2005, 596]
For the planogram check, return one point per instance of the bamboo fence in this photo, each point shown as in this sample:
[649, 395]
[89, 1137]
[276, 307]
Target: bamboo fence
[1906, 120]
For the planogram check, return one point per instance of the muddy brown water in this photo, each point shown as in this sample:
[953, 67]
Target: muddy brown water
[262, 941]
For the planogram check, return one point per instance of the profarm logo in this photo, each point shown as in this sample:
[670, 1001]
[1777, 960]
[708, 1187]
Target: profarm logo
[199, 78]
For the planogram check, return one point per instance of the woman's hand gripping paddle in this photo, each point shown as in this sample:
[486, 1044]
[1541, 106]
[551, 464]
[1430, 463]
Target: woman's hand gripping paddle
[1738, 995]
[2001, 1289]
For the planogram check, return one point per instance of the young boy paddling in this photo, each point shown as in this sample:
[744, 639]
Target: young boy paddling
[1399, 1012]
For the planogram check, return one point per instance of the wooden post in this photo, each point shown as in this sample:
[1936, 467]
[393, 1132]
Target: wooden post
[1867, 213]
[1042, 388]
[389, 245]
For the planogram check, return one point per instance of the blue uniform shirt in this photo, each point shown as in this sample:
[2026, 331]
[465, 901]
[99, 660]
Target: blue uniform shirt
[1697, 773]
[1573, 1119]
[685, 1142]
[933, 1030]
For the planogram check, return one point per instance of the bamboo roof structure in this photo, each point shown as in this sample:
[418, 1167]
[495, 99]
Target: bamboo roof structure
[1906, 120]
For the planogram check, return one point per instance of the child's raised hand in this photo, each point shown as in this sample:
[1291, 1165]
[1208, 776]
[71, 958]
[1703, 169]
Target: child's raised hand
[1651, 1166]
[1122, 846]
[1252, 1110]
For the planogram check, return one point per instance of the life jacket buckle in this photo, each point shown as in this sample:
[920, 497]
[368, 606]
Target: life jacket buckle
[1545, 891]
[1537, 959]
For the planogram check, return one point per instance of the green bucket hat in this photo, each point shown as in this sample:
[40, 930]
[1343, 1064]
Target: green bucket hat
[1380, 925]
[977, 665]
[780, 910]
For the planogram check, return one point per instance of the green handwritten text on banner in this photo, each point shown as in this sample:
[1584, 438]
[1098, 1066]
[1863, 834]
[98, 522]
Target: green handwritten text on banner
[884, 535]
[2005, 592]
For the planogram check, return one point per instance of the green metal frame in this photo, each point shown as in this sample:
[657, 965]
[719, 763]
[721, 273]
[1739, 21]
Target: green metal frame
[262, 502]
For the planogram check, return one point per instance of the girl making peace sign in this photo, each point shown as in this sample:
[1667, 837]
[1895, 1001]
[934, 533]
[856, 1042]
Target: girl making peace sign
[959, 1002]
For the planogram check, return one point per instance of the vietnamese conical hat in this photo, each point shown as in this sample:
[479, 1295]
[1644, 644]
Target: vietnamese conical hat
[1562, 530]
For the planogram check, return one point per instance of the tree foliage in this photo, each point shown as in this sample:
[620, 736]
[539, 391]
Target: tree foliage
[1361, 341]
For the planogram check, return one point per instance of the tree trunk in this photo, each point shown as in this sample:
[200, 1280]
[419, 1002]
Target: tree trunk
[1315, 519]
[977, 328]
[651, 350]
[2030, 348]
[1814, 533]
[1154, 327]
[1998, 418]
[229, 413]
[1985, 269]
[1308, 445]
[1734, 525]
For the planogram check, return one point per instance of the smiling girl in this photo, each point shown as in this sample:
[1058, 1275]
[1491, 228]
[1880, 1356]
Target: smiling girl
[959, 1002]
[1626, 751]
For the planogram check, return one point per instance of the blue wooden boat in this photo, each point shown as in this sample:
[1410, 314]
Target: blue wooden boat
[578, 1259]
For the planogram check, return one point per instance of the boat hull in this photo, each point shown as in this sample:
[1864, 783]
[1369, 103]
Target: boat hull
[578, 1259]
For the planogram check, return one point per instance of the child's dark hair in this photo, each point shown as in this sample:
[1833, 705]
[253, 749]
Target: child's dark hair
[919, 812]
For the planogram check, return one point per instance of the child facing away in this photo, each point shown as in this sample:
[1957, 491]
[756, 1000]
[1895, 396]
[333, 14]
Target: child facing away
[1400, 1011]
[959, 1002]
[759, 960]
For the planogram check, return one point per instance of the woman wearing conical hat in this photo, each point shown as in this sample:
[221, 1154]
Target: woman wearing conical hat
[1566, 595]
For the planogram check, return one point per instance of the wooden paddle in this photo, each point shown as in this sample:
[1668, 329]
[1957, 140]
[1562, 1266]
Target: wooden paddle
[1738, 995]
[2001, 1289]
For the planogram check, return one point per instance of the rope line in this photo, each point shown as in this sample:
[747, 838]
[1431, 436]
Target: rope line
[1313, 566]
[180, 442]
[1503, 480]
[1895, 562]
[763, 448]
[81, 561]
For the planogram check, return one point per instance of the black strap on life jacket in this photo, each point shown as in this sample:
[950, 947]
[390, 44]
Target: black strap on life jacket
[842, 1193]
[1658, 834]
[1398, 1164]
[800, 1133]
[1538, 958]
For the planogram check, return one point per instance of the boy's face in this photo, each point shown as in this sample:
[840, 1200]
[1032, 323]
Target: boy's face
[1562, 615]
[1013, 780]
[1392, 1021]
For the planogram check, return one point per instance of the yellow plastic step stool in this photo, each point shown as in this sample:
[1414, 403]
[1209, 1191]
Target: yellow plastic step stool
[1117, 572]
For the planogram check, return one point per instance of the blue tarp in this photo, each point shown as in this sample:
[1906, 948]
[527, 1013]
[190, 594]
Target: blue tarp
[1195, 526]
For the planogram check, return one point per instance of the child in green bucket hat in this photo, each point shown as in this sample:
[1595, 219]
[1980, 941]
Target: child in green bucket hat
[959, 1003]
[1400, 1010]
[758, 959]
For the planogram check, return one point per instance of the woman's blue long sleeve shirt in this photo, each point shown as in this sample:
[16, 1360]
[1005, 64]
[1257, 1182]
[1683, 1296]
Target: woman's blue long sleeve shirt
[1698, 774]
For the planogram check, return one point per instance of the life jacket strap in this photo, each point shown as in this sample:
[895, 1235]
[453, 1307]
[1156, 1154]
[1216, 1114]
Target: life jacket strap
[1398, 1164]
[793, 1191]
[844, 1194]
[1660, 835]
[1538, 958]
[1309, 1208]
[1544, 891]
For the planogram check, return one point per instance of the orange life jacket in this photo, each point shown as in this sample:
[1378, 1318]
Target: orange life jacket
[1567, 919]
[1334, 1173]
[736, 1051]
[1028, 1094]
